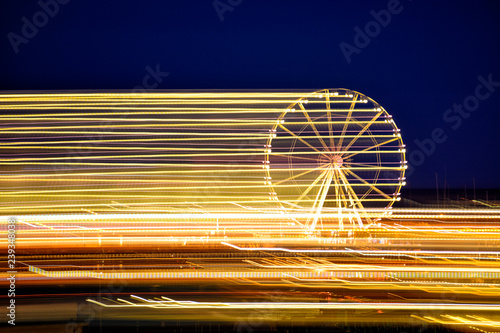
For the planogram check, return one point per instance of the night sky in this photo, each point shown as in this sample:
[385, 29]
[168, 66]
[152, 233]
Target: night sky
[424, 58]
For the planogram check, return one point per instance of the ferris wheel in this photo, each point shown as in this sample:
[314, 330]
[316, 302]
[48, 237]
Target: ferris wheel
[335, 150]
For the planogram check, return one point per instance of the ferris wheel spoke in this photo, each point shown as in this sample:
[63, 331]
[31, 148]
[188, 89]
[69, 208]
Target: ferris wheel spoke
[340, 201]
[354, 200]
[311, 123]
[329, 116]
[352, 194]
[299, 138]
[306, 191]
[375, 146]
[373, 187]
[320, 198]
[349, 114]
[299, 175]
[337, 191]
[348, 197]
[340, 196]
[363, 130]
[319, 194]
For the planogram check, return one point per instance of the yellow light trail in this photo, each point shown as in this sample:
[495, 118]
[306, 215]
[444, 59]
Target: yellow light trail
[218, 150]
[306, 305]
[247, 190]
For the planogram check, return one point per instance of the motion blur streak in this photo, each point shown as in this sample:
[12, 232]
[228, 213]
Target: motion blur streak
[449, 268]
[222, 207]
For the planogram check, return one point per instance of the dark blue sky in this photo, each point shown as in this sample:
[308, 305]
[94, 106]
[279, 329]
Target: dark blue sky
[425, 60]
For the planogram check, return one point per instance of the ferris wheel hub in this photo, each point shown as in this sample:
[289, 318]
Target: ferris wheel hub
[331, 160]
[337, 161]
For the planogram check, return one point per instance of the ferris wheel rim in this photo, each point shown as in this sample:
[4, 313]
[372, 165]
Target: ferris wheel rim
[336, 170]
